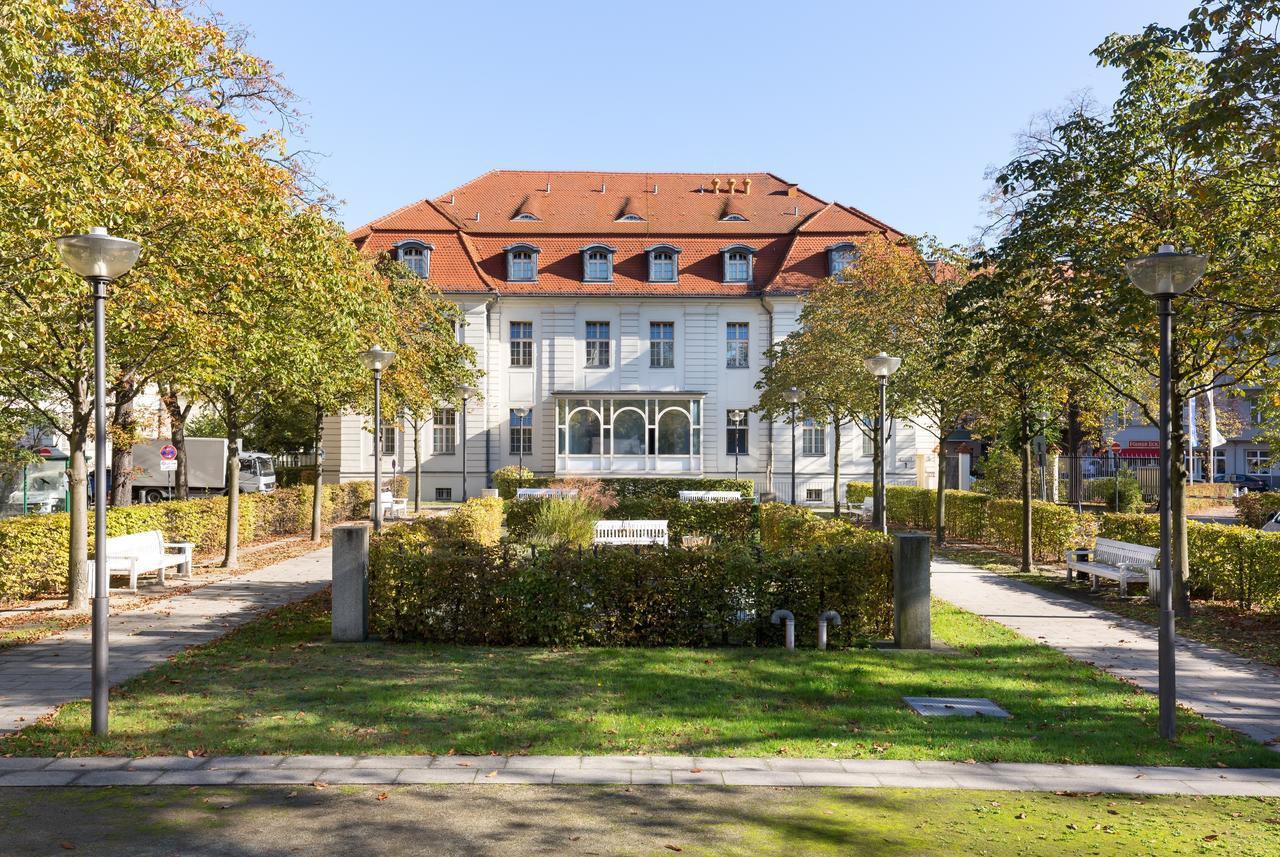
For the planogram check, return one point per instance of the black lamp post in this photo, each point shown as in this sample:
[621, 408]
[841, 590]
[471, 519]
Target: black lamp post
[100, 258]
[737, 416]
[881, 366]
[1164, 275]
[520, 413]
[465, 392]
[375, 360]
[794, 397]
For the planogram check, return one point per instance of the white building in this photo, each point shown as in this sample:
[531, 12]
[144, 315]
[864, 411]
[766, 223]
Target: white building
[630, 314]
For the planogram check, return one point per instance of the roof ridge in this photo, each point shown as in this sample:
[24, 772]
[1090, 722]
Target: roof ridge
[386, 216]
[858, 212]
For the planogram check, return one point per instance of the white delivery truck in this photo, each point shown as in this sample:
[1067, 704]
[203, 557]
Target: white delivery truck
[206, 470]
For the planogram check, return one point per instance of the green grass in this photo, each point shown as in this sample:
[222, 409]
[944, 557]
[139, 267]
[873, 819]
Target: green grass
[280, 686]
[640, 820]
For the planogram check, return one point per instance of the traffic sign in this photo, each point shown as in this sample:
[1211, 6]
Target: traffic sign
[44, 452]
[168, 452]
[1115, 447]
[168, 465]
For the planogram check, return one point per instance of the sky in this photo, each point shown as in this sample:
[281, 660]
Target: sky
[896, 108]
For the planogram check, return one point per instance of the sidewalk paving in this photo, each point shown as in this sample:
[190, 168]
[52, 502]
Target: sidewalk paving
[632, 770]
[36, 678]
[1225, 688]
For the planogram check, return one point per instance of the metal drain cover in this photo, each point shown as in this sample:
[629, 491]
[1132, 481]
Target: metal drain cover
[942, 706]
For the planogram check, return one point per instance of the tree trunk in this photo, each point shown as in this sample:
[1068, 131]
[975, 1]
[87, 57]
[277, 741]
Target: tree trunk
[417, 464]
[1026, 500]
[1075, 491]
[835, 448]
[78, 507]
[178, 437]
[940, 507]
[317, 499]
[1178, 506]
[232, 557]
[124, 429]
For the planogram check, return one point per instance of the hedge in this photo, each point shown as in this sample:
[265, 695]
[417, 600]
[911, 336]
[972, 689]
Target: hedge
[625, 488]
[785, 528]
[981, 518]
[34, 548]
[1256, 508]
[723, 522]
[1226, 562]
[462, 593]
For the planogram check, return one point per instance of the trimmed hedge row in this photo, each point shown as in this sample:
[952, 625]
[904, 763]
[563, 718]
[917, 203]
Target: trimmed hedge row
[785, 528]
[723, 522]
[1225, 561]
[981, 518]
[459, 592]
[34, 548]
[506, 480]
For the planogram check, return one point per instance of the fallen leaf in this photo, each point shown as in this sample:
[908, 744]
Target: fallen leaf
[292, 794]
[70, 846]
[671, 847]
[320, 785]
[382, 795]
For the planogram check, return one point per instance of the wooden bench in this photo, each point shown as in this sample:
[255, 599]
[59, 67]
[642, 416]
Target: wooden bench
[143, 553]
[631, 533]
[538, 493]
[1122, 562]
[710, 496]
[391, 506]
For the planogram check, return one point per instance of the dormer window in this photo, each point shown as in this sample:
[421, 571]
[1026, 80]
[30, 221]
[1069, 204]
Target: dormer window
[597, 264]
[738, 263]
[663, 263]
[522, 263]
[525, 216]
[415, 256]
[840, 257]
[733, 218]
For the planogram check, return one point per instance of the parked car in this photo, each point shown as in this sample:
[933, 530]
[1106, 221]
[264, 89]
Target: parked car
[1243, 482]
[1273, 524]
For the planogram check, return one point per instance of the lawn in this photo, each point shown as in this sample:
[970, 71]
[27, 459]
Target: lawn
[442, 821]
[1253, 634]
[280, 686]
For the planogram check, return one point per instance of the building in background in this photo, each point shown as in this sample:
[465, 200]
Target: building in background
[630, 313]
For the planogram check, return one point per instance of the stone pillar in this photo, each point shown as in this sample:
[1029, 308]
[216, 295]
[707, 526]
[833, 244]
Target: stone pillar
[350, 613]
[911, 556]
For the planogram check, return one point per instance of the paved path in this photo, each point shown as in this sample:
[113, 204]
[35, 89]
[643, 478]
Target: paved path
[36, 678]
[1231, 690]
[631, 770]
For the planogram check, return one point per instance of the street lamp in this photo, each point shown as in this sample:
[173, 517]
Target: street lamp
[465, 392]
[881, 366]
[794, 397]
[737, 416]
[100, 258]
[1164, 275]
[520, 413]
[375, 360]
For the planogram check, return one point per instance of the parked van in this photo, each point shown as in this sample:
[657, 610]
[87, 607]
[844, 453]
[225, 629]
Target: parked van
[206, 470]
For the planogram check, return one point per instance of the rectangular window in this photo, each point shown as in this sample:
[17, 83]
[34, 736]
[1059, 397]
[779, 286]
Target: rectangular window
[1257, 462]
[737, 268]
[599, 267]
[597, 345]
[662, 345]
[521, 433]
[444, 494]
[521, 343]
[521, 266]
[735, 435]
[815, 440]
[868, 444]
[388, 439]
[737, 338]
[813, 495]
[1219, 462]
[444, 432]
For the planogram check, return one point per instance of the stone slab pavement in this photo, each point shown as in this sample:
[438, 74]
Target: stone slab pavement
[36, 678]
[1230, 690]
[632, 770]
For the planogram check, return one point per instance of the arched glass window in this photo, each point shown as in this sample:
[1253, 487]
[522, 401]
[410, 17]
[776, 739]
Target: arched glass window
[584, 433]
[598, 267]
[840, 258]
[416, 257]
[628, 433]
[737, 263]
[673, 433]
[522, 263]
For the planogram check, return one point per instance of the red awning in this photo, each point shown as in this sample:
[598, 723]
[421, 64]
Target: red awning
[1139, 453]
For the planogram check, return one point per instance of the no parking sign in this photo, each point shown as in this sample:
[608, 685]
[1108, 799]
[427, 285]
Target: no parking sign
[168, 457]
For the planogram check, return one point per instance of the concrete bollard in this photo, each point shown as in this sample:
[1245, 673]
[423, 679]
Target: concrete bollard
[350, 614]
[830, 616]
[911, 558]
[789, 631]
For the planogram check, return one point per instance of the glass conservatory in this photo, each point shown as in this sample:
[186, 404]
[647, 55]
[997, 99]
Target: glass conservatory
[628, 433]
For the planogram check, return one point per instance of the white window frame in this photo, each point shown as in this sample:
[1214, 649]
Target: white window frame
[522, 263]
[868, 443]
[598, 347]
[420, 262]
[737, 266]
[813, 442]
[662, 349]
[389, 434]
[1257, 462]
[672, 258]
[597, 264]
[737, 433]
[521, 433]
[444, 431]
[444, 494]
[815, 495]
[840, 257]
[737, 350]
[521, 346]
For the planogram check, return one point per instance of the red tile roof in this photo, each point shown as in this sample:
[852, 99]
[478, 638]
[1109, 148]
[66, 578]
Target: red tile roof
[789, 228]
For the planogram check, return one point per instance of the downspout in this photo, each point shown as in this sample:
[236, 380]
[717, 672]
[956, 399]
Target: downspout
[488, 378]
[768, 462]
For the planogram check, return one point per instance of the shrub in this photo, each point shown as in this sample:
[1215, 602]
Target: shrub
[1054, 528]
[785, 528]
[1001, 473]
[1256, 508]
[1130, 493]
[564, 522]
[478, 520]
[593, 492]
[508, 479]
[721, 522]
[909, 506]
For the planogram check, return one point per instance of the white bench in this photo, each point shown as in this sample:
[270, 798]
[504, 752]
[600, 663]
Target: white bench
[391, 506]
[863, 512]
[143, 553]
[710, 496]
[1122, 562]
[631, 533]
[535, 493]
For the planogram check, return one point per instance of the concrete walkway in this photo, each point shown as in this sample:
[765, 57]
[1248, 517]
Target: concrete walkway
[36, 678]
[631, 770]
[1230, 690]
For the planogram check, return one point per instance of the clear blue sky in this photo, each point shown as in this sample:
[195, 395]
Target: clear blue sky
[897, 108]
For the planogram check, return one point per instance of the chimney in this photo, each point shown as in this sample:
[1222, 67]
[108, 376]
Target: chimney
[655, 190]
[732, 184]
[548, 188]
[477, 217]
[602, 188]
[715, 185]
[452, 199]
[746, 186]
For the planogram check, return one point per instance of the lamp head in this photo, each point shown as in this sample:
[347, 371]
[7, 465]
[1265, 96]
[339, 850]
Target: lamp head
[882, 365]
[737, 415]
[794, 395]
[376, 359]
[1166, 272]
[98, 254]
[520, 413]
[466, 391]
